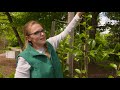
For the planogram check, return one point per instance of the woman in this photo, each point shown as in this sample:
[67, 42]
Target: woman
[39, 59]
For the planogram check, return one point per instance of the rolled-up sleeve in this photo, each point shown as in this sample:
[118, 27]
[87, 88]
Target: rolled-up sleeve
[71, 26]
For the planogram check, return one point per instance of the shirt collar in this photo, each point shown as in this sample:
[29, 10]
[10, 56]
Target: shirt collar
[33, 51]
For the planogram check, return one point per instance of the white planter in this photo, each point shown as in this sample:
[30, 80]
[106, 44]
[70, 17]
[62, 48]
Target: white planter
[12, 54]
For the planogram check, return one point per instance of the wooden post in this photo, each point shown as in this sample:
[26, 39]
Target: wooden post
[70, 56]
[53, 29]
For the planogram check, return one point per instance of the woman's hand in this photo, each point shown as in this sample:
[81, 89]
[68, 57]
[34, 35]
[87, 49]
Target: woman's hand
[80, 13]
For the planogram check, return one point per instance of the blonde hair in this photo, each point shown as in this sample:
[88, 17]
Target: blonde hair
[26, 29]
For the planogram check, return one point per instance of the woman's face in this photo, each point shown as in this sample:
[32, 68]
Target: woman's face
[37, 35]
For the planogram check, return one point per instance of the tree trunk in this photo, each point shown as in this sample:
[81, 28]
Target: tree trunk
[15, 30]
[70, 56]
[86, 58]
[94, 24]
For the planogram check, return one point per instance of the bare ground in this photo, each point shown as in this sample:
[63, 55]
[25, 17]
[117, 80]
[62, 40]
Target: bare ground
[97, 71]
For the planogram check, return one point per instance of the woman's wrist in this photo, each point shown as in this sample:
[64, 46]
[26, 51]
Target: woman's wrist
[80, 13]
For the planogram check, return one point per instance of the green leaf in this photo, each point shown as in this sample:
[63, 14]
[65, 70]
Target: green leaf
[89, 28]
[78, 71]
[93, 43]
[76, 59]
[105, 56]
[110, 76]
[76, 76]
[117, 47]
[83, 71]
[118, 53]
[92, 53]
[113, 65]
[84, 77]
[110, 51]
[66, 68]
[82, 35]
[99, 48]
[89, 16]
[84, 23]
[118, 73]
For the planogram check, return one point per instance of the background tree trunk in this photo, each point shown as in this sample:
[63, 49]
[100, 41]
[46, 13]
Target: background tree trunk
[15, 30]
[94, 24]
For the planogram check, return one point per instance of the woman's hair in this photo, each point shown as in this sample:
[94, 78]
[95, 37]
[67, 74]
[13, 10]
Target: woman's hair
[26, 29]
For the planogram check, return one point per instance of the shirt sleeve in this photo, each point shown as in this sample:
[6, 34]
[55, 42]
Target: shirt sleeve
[71, 26]
[22, 69]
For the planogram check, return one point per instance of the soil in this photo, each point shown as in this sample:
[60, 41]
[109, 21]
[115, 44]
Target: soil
[7, 67]
[98, 71]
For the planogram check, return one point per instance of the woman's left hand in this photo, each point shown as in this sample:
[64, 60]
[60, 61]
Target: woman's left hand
[80, 13]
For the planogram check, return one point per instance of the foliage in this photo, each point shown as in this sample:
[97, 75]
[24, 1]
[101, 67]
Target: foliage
[20, 18]
[114, 27]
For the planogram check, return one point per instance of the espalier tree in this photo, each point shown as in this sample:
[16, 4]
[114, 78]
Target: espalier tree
[87, 49]
[80, 51]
